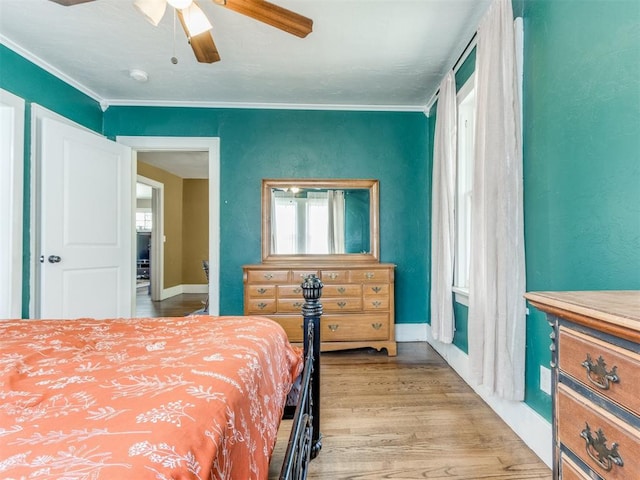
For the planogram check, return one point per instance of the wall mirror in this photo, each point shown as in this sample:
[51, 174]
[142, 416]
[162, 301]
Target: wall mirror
[319, 220]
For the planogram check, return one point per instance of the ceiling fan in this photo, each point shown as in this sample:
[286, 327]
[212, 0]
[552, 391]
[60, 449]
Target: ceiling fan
[198, 28]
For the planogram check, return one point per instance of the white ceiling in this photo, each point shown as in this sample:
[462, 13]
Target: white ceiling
[182, 164]
[362, 54]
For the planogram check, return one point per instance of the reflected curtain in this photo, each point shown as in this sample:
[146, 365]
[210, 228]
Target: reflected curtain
[336, 221]
[497, 269]
[283, 223]
[443, 211]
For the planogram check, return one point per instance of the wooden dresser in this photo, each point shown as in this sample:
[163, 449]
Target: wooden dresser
[357, 301]
[596, 382]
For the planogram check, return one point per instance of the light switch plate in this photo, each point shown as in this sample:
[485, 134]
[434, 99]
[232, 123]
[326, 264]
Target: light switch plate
[545, 380]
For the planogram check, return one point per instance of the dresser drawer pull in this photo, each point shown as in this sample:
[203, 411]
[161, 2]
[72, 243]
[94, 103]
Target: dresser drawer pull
[333, 275]
[297, 304]
[376, 326]
[297, 290]
[261, 305]
[342, 304]
[598, 451]
[598, 375]
[341, 289]
[376, 289]
[333, 327]
[268, 276]
[370, 275]
[376, 303]
[262, 290]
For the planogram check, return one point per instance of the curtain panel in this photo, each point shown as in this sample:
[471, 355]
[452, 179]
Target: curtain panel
[443, 212]
[497, 271]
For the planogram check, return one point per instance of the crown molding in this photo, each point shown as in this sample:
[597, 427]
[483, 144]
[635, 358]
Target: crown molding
[265, 106]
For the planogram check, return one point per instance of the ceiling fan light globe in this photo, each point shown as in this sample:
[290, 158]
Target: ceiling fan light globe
[195, 20]
[152, 10]
[180, 4]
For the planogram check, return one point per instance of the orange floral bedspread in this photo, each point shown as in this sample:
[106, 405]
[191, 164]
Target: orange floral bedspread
[166, 398]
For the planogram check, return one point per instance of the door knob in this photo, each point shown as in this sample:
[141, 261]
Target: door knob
[54, 259]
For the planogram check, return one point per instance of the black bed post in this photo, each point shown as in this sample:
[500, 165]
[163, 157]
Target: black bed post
[311, 312]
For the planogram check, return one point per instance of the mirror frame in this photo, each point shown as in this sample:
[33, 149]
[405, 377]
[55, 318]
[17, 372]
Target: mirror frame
[374, 231]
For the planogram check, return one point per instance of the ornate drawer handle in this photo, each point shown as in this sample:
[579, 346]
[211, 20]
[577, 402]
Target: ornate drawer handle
[376, 289]
[333, 275]
[297, 304]
[370, 275]
[341, 289]
[262, 290]
[333, 327]
[261, 305]
[342, 304]
[376, 326]
[268, 276]
[297, 290]
[598, 375]
[598, 451]
[376, 303]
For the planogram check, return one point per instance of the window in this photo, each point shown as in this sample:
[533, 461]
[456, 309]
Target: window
[144, 221]
[466, 130]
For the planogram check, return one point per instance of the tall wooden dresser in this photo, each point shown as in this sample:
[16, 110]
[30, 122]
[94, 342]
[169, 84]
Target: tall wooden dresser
[357, 301]
[596, 382]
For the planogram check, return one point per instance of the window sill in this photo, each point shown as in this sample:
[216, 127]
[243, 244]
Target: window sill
[461, 295]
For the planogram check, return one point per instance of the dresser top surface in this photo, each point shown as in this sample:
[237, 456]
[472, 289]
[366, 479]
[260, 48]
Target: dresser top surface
[618, 307]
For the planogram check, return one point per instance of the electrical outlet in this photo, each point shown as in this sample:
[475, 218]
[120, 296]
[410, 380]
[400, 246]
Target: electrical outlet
[545, 380]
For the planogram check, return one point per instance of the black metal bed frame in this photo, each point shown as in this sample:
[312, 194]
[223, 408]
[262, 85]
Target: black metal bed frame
[305, 440]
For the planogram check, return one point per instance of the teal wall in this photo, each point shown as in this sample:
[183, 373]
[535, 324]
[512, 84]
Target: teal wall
[257, 144]
[581, 155]
[35, 86]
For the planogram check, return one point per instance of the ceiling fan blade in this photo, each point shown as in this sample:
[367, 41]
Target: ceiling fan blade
[69, 3]
[202, 44]
[271, 14]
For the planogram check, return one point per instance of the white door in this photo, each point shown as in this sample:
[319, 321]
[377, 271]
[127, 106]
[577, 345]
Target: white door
[85, 241]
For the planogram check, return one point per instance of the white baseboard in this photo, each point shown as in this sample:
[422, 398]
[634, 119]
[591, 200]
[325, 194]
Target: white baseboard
[185, 288]
[531, 427]
[411, 332]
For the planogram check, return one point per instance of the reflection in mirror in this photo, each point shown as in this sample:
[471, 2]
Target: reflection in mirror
[319, 221]
[315, 219]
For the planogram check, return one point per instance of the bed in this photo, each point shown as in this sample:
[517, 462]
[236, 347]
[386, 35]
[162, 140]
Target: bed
[196, 397]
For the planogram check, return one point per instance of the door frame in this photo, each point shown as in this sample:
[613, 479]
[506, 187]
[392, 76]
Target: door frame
[12, 201]
[177, 144]
[156, 263]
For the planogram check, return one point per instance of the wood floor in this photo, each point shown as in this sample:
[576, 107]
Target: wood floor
[408, 417]
[177, 306]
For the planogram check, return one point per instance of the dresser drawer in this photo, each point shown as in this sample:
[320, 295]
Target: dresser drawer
[261, 291]
[345, 290]
[382, 289]
[290, 291]
[353, 328]
[344, 304]
[268, 276]
[607, 369]
[290, 305]
[570, 471]
[370, 275]
[298, 276]
[372, 303]
[334, 276]
[603, 431]
[261, 306]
